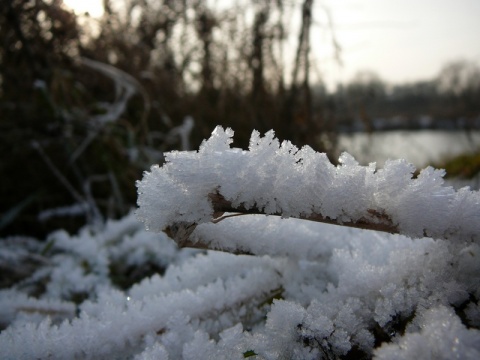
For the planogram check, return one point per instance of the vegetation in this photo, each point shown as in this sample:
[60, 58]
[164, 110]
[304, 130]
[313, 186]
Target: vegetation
[445, 102]
[464, 166]
[280, 288]
[86, 105]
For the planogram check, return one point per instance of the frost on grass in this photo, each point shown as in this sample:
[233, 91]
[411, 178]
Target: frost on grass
[313, 290]
[356, 291]
[441, 336]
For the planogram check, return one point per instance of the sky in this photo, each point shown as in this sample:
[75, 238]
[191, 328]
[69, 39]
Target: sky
[401, 41]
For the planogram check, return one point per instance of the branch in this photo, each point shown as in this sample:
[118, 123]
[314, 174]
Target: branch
[274, 178]
[373, 220]
[183, 232]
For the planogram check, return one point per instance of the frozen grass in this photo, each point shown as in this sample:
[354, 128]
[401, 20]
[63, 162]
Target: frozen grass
[311, 290]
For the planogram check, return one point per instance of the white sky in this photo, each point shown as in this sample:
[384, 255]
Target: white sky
[400, 40]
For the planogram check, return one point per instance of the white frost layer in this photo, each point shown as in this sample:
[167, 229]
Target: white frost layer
[18, 307]
[272, 235]
[335, 293]
[279, 178]
[116, 324]
[442, 337]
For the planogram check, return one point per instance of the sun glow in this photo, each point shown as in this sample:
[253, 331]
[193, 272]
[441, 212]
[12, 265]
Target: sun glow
[93, 7]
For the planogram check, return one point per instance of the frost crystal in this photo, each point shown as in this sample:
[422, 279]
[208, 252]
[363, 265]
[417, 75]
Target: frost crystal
[442, 337]
[278, 178]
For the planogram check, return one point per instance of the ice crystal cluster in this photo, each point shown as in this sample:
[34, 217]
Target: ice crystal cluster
[308, 290]
[282, 179]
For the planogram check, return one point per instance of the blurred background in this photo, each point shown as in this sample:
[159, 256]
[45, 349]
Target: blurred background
[93, 92]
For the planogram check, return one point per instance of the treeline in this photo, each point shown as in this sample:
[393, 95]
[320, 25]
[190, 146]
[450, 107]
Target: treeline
[87, 104]
[451, 100]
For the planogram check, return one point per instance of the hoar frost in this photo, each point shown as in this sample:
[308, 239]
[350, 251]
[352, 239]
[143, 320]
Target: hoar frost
[278, 178]
[313, 290]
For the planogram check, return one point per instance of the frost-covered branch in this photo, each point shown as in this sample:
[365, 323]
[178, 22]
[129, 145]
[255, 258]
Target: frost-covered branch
[274, 178]
[373, 220]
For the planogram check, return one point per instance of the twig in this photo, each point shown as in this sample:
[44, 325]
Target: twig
[181, 232]
[373, 221]
[220, 218]
[57, 173]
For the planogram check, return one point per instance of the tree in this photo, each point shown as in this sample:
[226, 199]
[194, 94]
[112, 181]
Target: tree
[458, 85]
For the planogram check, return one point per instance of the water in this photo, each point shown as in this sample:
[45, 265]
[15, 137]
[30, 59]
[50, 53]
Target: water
[421, 148]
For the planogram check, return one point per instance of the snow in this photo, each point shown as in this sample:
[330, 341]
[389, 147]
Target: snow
[308, 290]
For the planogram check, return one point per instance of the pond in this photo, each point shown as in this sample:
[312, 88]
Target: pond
[421, 147]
